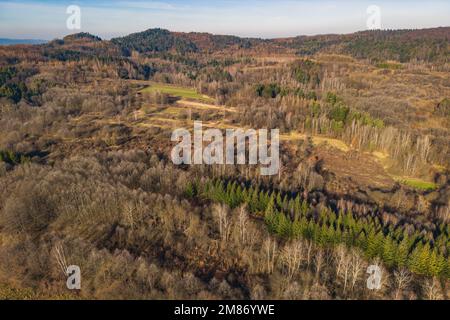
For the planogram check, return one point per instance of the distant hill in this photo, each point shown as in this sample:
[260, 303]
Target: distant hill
[154, 40]
[161, 40]
[7, 42]
[82, 36]
[401, 45]
[428, 45]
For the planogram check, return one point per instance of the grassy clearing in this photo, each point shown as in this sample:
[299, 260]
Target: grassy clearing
[185, 93]
[417, 183]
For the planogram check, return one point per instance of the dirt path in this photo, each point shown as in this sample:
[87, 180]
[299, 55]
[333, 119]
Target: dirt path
[201, 105]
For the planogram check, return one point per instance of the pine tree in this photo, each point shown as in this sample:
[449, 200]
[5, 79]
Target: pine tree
[291, 207]
[270, 209]
[374, 244]
[245, 195]
[190, 190]
[322, 235]
[298, 228]
[338, 236]
[419, 259]
[361, 240]
[401, 259]
[436, 264]
[297, 206]
[279, 201]
[253, 204]
[389, 252]
[316, 234]
[332, 217]
[446, 272]
[282, 225]
[424, 259]
[413, 259]
[263, 200]
[239, 194]
[305, 208]
[323, 216]
[331, 235]
[309, 231]
[285, 203]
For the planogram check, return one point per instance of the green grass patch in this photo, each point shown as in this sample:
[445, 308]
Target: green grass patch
[182, 92]
[418, 184]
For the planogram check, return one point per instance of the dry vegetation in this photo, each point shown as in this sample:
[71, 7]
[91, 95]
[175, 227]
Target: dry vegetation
[85, 175]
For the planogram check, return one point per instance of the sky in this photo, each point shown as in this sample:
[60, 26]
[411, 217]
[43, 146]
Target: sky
[24, 19]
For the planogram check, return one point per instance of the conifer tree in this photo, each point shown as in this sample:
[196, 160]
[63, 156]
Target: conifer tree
[282, 225]
[270, 209]
[339, 220]
[298, 227]
[419, 259]
[401, 259]
[239, 195]
[436, 264]
[305, 207]
[279, 200]
[297, 206]
[389, 252]
[374, 244]
[253, 203]
[322, 236]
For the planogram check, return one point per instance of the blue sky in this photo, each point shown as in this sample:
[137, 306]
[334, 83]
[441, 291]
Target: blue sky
[253, 18]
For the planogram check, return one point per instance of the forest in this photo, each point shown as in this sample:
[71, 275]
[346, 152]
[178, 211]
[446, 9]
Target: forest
[86, 177]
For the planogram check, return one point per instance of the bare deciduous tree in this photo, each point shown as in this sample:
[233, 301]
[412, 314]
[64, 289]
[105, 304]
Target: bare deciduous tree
[243, 223]
[319, 262]
[357, 267]
[432, 289]
[221, 214]
[270, 248]
[402, 279]
[291, 257]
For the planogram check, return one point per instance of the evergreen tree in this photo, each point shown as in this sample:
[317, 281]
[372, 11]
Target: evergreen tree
[190, 190]
[305, 207]
[282, 225]
[279, 201]
[436, 264]
[419, 259]
[401, 259]
[298, 228]
[297, 206]
[389, 252]
[270, 209]
[374, 244]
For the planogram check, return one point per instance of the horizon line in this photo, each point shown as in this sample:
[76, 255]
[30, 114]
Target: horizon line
[224, 34]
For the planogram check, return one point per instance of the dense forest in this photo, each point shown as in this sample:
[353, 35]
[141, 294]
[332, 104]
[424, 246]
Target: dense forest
[86, 177]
